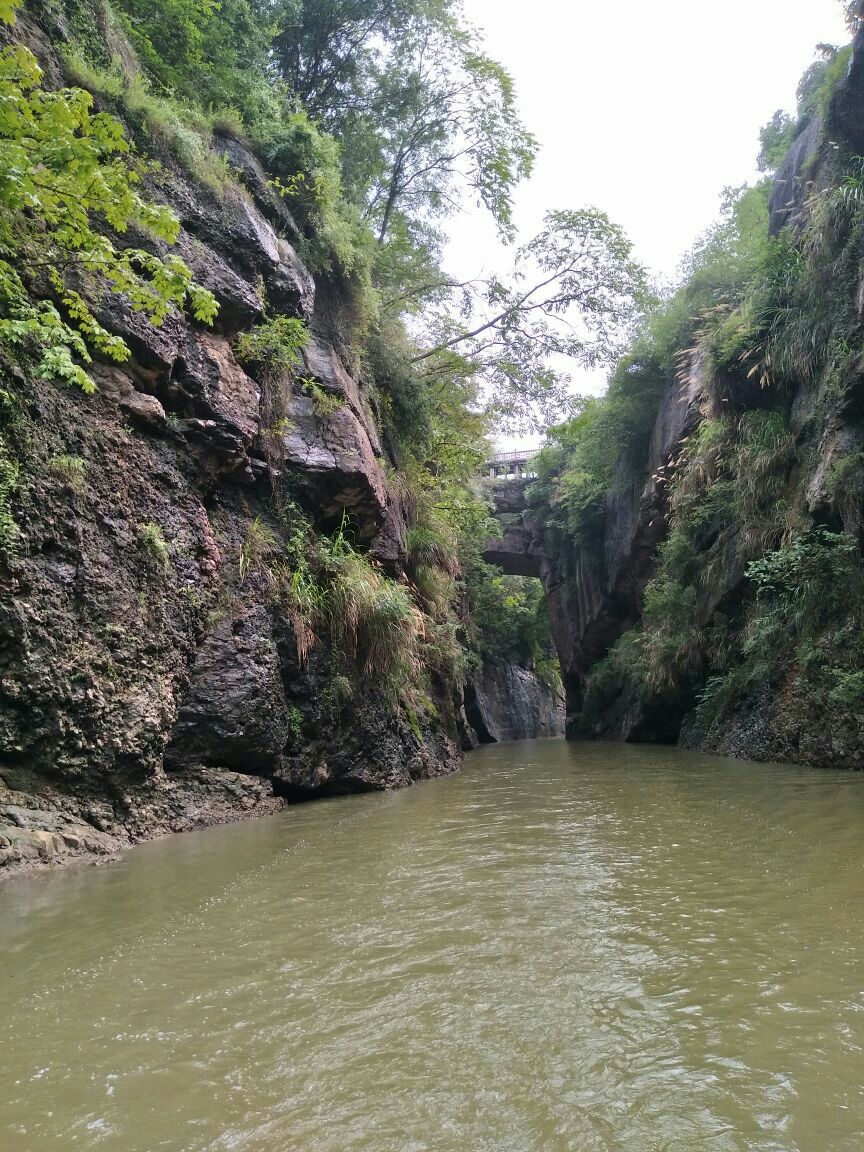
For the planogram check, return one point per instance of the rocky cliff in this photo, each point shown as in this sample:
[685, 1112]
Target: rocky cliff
[595, 594]
[507, 702]
[150, 679]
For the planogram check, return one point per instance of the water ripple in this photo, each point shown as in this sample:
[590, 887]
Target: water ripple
[561, 949]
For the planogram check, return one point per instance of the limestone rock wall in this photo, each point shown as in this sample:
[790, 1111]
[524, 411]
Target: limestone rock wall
[595, 595]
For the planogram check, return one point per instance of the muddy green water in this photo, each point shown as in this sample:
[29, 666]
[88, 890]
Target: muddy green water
[570, 948]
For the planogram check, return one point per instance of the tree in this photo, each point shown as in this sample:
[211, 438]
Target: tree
[63, 169]
[774, 140]
[854, 10]
[445, 113]
[211, 52]
[327, 51]
[574, 294]
[417, 106]
[812, 83]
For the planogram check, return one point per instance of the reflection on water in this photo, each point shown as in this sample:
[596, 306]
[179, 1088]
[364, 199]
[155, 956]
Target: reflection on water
[565, 947]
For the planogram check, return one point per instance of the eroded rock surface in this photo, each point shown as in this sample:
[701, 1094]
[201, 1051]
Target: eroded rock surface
[146, 685]
[507, 702]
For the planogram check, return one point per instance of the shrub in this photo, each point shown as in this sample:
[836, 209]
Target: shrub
[258, 550]
[371, 617]
[443, 652]
[801, 587]
[167, 125]
[67, 175]
[295, 721]
[71, 469]
[275, 346]
[152, 542]
[272, 351]
[436, 589]
[404, 395]
[774, 140]
[306, 169]
[324, 403]
[430, 544]
[305, 602]
[181, 130]
[672, 644]
[214, 54]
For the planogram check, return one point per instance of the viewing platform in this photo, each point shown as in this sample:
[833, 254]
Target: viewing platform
[512, 465]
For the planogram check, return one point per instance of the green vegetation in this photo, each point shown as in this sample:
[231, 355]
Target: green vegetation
[375, 121]
[215, 54]
[9, 476]
[807, 620]
[275, 347]
[272, 351]
[324, 403]
[585, 454]
[746, 595]
[424, 118]
[62, 167]
[375, 629]
[508, 619]
[372, 620]
[153, 544]
[72, 470]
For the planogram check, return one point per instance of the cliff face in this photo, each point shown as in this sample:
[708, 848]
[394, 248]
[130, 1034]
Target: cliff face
[507, 702]
[595, 595]
[149, 679]
[808, 479]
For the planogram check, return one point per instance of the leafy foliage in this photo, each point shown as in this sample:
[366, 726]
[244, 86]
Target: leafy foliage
[416, 102]
[747, 595]
[575, 292]
[154, 545]
[508, 619]
[275, 346]
[210, 53]
[9, 482]
[272, 351]
[774, 140]
[809, 612]
[63, 167]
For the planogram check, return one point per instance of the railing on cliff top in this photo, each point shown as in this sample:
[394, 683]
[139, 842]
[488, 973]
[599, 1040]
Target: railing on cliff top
[511, 465]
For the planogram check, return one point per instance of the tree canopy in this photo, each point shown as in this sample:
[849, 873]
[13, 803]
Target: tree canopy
[378, 120]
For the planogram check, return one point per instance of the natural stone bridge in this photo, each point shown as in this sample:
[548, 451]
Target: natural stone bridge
[519, 549]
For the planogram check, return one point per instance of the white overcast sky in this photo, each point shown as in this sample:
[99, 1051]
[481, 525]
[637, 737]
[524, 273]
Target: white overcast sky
[644, 109]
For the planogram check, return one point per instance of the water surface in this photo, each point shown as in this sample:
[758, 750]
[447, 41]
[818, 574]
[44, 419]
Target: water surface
[564, 948]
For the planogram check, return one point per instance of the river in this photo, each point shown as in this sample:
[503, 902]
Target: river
[563, 948]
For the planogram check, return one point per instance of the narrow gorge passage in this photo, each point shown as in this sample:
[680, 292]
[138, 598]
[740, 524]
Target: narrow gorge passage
[567, 947]
[431, 604]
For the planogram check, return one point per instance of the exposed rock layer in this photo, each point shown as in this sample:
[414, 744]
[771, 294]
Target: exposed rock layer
[596, 595]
